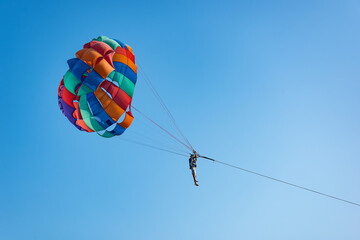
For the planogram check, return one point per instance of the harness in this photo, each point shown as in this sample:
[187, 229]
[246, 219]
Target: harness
[192, 161]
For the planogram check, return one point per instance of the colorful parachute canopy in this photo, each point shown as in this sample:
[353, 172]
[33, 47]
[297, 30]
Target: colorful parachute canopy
[96, 92]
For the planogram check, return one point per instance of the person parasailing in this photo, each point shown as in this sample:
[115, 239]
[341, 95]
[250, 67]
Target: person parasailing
[192, 165]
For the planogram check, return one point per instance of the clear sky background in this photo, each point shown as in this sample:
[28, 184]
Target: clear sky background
[271, 86]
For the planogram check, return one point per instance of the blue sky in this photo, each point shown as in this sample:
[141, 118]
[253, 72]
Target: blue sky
[271, 86]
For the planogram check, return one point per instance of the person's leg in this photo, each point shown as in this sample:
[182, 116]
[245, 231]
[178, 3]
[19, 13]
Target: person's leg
[194, 176]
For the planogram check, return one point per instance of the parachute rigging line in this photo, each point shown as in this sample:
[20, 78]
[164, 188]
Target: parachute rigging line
[162, 103]
[171, 135]
[160, 134]
[145, 139]
[152, 146]
[281, 181]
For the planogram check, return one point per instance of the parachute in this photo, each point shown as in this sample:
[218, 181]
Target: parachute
[95, 94]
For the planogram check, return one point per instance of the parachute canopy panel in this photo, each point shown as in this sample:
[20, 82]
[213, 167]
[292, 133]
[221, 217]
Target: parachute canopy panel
[97, 90]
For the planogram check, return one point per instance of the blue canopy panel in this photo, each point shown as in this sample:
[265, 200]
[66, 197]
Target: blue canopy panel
[125, 70]
[101, 116]
[78, 67]
[93, 80]
[120, 43]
